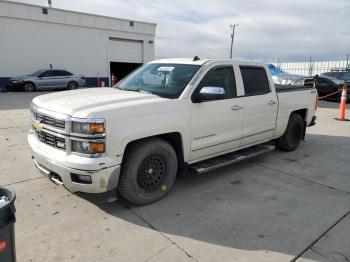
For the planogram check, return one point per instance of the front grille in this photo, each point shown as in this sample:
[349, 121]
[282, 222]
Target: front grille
[50, 121]
[51, 140]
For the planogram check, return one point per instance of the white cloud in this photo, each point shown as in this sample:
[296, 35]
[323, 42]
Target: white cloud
[289, 29]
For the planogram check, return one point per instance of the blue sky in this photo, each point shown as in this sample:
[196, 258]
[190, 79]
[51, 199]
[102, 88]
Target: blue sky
[269, 29]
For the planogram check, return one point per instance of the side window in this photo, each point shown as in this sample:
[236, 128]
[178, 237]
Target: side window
[220, 77]
[323, 81]
[66, 73]
[46, 74]
[255, 81]
[57, 73]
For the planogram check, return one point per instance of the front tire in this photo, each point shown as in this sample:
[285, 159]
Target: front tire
[293, 134]
[29, 87]
[148, 171]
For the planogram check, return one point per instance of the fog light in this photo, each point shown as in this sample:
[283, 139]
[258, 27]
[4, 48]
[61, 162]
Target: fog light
[81, 179]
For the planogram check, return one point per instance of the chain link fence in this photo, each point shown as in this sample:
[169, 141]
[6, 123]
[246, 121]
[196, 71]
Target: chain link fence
[312, 68]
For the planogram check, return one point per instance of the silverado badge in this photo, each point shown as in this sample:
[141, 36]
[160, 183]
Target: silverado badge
[38, 126]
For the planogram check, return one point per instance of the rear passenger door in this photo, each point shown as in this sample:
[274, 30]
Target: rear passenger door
[45, 80]
[260, 105]
[59, 79]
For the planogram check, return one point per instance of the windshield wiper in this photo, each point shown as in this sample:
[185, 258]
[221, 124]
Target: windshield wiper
[136, 90]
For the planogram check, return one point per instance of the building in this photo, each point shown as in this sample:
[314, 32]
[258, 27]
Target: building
[35, 37]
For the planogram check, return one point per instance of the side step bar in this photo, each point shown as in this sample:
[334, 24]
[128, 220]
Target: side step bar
[228, 159]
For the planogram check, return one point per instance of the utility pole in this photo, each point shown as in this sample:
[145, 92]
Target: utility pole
[233, 27]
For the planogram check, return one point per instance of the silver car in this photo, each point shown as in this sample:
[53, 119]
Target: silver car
[47, 79]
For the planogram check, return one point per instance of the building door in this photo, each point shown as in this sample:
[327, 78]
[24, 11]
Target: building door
[124, 57]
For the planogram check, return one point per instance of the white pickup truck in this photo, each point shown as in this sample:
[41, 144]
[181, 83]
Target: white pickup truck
[135, 137]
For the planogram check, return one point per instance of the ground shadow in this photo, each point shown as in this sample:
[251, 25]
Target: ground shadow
[251, 205]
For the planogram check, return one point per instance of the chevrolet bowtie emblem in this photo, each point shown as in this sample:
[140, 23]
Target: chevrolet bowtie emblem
[38, 125]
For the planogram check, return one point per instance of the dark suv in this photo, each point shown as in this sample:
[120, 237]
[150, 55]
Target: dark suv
[341, 75]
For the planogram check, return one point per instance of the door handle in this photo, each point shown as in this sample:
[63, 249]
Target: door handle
[272, 102]
[236, 107]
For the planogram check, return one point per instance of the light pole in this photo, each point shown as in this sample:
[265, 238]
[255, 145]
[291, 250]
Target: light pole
[233, 27]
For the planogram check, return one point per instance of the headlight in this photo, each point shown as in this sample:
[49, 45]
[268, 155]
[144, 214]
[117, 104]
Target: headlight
[87, 147]
[91, 127]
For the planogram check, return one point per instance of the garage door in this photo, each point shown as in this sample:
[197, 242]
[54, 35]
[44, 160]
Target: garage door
[126, 51]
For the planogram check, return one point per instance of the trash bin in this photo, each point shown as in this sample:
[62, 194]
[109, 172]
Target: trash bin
[7, 225]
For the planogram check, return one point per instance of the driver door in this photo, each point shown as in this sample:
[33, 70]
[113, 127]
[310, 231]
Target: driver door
[216, 125]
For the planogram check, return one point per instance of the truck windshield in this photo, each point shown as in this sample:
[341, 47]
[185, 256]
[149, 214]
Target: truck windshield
[165, 80]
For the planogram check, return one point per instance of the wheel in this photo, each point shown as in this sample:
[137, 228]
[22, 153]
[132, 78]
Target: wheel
[293, 134]
[72, 85]
[29, 87]
[148, 171]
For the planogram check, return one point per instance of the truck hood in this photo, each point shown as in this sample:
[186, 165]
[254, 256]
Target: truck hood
[81, 103]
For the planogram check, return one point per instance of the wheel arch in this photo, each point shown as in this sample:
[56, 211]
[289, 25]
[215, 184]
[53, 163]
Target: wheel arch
[72, 81]
[303, 113]
[30, 82]
[173, 138]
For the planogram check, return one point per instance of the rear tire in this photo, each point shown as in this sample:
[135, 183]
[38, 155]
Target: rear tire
[148, 171]
[29, 87]
[72, 85]
[293, 134]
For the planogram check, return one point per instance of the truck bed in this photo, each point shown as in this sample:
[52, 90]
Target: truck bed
[291, 88]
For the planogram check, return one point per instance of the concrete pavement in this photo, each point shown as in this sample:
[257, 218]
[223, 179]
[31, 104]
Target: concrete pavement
[276, 207]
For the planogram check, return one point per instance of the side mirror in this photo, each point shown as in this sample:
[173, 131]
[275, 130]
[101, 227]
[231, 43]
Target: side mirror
[209, 93]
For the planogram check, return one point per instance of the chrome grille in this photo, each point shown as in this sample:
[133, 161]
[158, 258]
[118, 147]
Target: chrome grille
[50, 121]
[51, 140]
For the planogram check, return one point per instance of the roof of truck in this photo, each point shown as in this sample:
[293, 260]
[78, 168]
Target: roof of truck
[191, 61]
[186, 61]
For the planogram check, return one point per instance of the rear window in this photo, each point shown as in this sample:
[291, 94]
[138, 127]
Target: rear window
[66, 73]
[255, 80]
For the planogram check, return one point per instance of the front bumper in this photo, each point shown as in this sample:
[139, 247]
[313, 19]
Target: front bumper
[53, 164]
[16, 85]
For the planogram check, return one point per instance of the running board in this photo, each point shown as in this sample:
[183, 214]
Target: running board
[228, 159]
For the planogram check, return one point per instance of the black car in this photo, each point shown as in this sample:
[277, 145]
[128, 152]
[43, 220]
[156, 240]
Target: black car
[341, 75]
[327, 85]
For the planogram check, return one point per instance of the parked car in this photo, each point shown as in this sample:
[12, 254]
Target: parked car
[340, 75]
[326, 86]
[134, 138]
[47, 79]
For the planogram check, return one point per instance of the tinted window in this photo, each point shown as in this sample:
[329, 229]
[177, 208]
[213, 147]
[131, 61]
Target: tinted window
[255, 80]
[220, 77]
[46, 74]
[322, 81]
[57, 73]
[66, 73]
